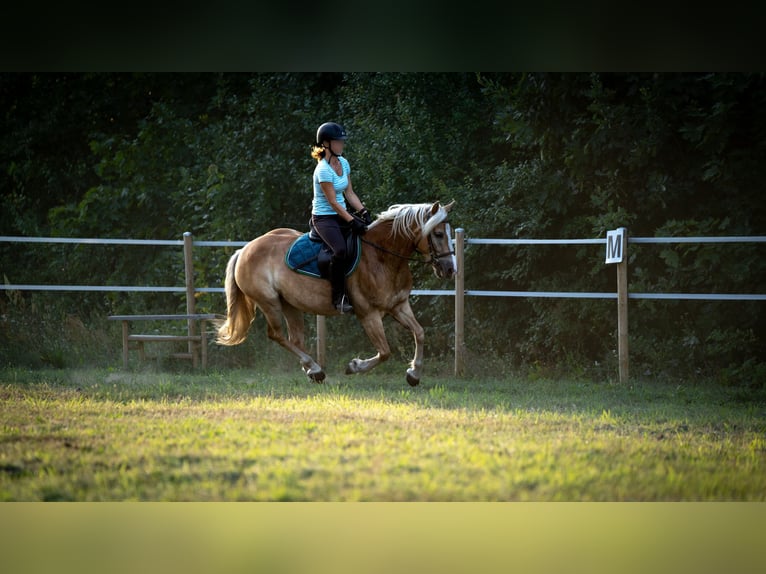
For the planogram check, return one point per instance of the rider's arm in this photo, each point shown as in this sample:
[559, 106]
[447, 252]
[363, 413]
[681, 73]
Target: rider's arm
[352, 198]
[329, 192]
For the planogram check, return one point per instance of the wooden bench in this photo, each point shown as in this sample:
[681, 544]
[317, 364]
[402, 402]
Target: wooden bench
[194, 338]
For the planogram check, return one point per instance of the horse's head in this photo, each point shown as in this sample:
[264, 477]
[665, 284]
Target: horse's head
[426, 227]
[437, 236]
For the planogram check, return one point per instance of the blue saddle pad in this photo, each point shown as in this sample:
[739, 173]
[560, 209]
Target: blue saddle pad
[303, 256]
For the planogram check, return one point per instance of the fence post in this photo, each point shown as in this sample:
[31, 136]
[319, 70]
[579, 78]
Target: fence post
[459, 302]
[190, 303]
[321, 339]
[622, 311]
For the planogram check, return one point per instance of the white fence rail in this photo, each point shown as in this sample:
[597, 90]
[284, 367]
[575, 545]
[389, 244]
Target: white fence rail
[621, 293]
[459, 292]
[613, 295]
[427, 292]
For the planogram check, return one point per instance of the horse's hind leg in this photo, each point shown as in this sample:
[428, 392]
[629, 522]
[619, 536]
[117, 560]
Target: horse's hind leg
[294, 318]
[273, 313]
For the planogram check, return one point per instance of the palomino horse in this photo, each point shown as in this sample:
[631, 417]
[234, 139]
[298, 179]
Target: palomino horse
[257, 277]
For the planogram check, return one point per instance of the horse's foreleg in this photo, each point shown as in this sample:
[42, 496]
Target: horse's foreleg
[294, 344]
[404, 315]
[373, 326]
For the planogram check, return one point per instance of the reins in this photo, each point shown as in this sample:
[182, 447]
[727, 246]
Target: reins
[434, 256]
[399, 255]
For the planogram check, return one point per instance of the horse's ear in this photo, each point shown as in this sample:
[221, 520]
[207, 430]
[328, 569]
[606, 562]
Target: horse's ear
[435, 208]
[449, 206]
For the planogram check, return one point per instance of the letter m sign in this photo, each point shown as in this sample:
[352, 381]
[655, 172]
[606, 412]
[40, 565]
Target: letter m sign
[614, 243]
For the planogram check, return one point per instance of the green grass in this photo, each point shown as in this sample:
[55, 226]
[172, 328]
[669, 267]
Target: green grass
[110, 435]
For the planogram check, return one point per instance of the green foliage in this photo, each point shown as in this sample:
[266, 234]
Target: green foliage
[54, 330]
[415, 137]
[592, 152]
[226, 156]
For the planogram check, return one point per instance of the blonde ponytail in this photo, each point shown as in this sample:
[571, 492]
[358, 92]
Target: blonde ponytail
[317, 153]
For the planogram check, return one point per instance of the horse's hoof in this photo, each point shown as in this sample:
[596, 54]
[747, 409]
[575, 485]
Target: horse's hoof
[317, 377]
[412, 381]
[353, 367]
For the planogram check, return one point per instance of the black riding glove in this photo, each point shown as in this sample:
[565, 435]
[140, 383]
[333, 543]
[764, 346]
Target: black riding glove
[358, 227]
[365, 215]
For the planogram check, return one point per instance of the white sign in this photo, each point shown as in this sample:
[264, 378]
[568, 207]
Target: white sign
[614, 241]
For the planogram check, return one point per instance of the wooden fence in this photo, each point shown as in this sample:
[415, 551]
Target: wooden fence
[621, 293]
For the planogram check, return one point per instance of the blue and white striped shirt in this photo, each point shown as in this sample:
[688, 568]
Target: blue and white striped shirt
[323, 172]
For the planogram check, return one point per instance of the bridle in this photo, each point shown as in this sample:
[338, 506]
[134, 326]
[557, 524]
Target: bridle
[432, 249]
[433, 255]
[399, 255]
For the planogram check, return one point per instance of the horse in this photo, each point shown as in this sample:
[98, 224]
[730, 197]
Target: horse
[257, 277]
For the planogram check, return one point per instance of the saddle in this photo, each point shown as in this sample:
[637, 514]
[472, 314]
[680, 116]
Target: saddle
[309, 255]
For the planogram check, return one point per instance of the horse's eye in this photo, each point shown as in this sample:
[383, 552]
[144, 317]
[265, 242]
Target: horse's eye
[438, 234]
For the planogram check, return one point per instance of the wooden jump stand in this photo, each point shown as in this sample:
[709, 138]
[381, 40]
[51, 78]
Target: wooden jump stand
[197, 340]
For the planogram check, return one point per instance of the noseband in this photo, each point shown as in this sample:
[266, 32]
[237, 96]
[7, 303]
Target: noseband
[432, 249]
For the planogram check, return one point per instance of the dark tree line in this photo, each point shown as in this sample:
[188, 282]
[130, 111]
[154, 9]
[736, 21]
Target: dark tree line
[226, 156]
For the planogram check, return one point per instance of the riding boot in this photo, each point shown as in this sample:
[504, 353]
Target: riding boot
[338, 283]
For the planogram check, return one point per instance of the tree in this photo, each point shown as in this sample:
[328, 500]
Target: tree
[660, 153]
[226, 156]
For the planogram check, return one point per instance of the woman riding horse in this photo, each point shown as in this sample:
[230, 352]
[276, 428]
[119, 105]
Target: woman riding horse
[258, 277]
[333, 194]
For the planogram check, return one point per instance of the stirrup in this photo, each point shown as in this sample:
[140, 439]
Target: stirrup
[343, 305]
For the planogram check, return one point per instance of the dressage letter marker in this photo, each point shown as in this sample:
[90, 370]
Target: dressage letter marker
[616, 246]
[614, 250]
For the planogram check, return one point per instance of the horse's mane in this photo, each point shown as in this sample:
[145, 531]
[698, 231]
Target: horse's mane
[412, 220]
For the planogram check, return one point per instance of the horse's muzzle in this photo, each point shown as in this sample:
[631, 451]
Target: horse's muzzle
[445, 267]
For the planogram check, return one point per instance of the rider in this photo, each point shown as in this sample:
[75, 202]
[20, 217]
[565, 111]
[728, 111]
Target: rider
[333, 196]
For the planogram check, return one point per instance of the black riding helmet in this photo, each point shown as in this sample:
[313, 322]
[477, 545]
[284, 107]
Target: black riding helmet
[330, 131]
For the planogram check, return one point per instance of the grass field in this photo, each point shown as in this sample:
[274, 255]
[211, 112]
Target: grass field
[92, 435]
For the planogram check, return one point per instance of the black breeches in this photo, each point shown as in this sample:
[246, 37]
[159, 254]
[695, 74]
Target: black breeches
[329, 229]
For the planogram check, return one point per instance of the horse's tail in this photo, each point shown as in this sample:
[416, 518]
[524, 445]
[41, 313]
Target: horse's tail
[239, 311]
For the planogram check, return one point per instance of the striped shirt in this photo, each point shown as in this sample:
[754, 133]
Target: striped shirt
[323, 172]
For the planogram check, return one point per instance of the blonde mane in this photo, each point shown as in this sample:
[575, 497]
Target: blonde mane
[412, 220]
